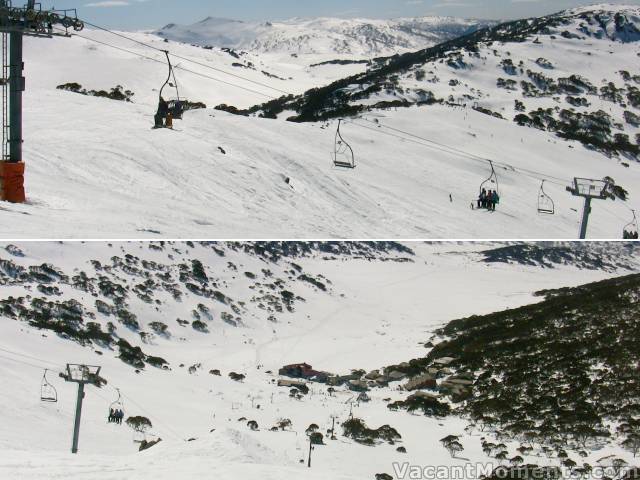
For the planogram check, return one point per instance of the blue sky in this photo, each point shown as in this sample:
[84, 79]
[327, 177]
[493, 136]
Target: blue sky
[137, 14]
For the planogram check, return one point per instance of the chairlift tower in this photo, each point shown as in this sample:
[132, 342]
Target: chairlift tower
[589, 189]
[80, 374]
[310, 450]
[333, 427]
[16, 22]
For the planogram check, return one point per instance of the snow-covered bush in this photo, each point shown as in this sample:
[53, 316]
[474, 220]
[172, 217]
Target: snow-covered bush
[139, 424]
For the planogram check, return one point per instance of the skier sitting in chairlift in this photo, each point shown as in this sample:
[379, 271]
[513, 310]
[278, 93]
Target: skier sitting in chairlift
[161, 115]
[495, 199]
[482, 199]
[116, 416]
[488, 199]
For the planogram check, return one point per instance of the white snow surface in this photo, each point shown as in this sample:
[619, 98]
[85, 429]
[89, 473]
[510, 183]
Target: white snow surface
[360, 37]
[95, 169]
[375, 313]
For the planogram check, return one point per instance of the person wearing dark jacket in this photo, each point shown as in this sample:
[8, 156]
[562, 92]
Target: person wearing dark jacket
[482, 200]
[495, 199]
[161, 114]
[489, 202]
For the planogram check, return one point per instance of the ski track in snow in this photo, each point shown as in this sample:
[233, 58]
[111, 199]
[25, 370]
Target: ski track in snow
[95, 169]
[335, 331]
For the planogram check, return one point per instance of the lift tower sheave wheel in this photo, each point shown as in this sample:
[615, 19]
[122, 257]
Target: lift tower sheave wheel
[15, 23]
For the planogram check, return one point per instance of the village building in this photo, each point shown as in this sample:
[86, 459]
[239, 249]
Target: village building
[395, 375]
[444, 361]
[457, 386]
[423, 381]
[425, 395]
[297, 384]
[338, 380]
[358, 385]
[303, 370]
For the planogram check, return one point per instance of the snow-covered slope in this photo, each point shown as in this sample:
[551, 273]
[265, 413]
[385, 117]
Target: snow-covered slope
[95, 168]
[378, 306]
[570, 73]
[363, 38]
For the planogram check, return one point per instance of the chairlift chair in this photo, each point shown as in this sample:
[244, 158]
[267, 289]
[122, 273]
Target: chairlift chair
[493, 179]
[630, 231]
[343, 156]
[546, 204]
[117, 404]
[175, 105]
[48, 392]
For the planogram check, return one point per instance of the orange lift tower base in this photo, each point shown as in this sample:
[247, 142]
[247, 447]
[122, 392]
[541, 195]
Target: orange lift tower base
[15, 23]
[12, 182]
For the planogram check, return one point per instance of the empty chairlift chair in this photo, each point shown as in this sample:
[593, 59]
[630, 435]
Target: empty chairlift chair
[343, 156]
[546, 204]
[48, 392]
[630, 231]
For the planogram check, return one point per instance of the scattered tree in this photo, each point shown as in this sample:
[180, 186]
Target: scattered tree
[632, 443]
[253, 425]
[284, 423]
[237, 377]
[452, 444]
[139, 424]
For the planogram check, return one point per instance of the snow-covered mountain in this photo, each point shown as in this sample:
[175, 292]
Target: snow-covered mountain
[97, 170]
[569, 73]
[353, 37]
[170, 322]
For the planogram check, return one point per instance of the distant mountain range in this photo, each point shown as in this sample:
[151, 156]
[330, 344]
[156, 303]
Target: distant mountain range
[522, 70]
[359, 37]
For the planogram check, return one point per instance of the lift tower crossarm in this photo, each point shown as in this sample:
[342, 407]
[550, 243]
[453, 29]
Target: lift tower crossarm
[589, 189]
[15, 23]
